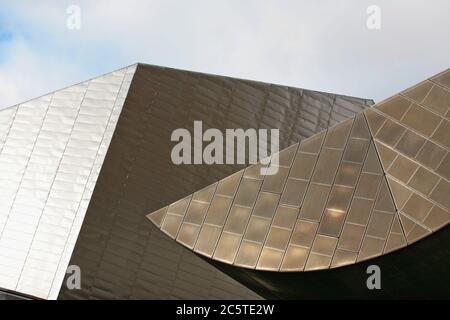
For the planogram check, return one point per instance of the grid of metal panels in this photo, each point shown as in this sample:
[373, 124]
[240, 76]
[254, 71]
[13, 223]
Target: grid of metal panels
[122, 256]
[330, 203]
[412, 133]
[51, 152]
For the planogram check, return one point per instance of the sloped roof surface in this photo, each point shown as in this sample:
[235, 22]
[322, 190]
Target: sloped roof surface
[120, 253]
[51, 152]
[332, 202]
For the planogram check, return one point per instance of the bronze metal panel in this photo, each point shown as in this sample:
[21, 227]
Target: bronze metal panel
[422, 120]
[419, 91]
[285, 217]
[294, 192]
[295, 258]
[304, 232]
[437, 100]
[395, 107]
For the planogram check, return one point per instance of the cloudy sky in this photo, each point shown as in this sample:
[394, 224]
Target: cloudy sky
[322, 44]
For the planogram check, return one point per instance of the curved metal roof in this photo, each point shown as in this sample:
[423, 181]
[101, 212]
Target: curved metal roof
[363, 188]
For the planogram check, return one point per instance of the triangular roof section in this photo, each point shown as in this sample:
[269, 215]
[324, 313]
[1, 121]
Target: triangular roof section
[412, 133]
[365, 187]
[51, 152]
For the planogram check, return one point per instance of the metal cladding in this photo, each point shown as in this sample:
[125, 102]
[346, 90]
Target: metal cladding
[365, 187]
[51, 152]
[81, 168]
[412, 134]
[121, 254]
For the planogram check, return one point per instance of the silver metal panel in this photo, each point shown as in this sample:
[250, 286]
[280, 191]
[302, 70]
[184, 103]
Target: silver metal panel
[51, 152]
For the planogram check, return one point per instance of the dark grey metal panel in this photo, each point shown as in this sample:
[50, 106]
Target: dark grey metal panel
[10, 296]
[121, 255]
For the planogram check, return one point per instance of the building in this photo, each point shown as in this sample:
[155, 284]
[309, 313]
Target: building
[81, 168]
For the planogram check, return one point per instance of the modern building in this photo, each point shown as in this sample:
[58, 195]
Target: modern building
[82, 168]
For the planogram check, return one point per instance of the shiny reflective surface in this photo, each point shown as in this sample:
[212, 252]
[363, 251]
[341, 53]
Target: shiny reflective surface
[367, 186]
[125, 257]
[51, 151]
[119, 254]
[417, 165]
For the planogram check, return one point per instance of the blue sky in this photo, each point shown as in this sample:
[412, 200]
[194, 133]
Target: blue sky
[323, 44]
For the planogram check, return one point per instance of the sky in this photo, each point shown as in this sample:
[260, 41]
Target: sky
[322, 45]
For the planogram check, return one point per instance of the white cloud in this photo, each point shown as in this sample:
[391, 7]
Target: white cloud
[318, 45]
[27, 74]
